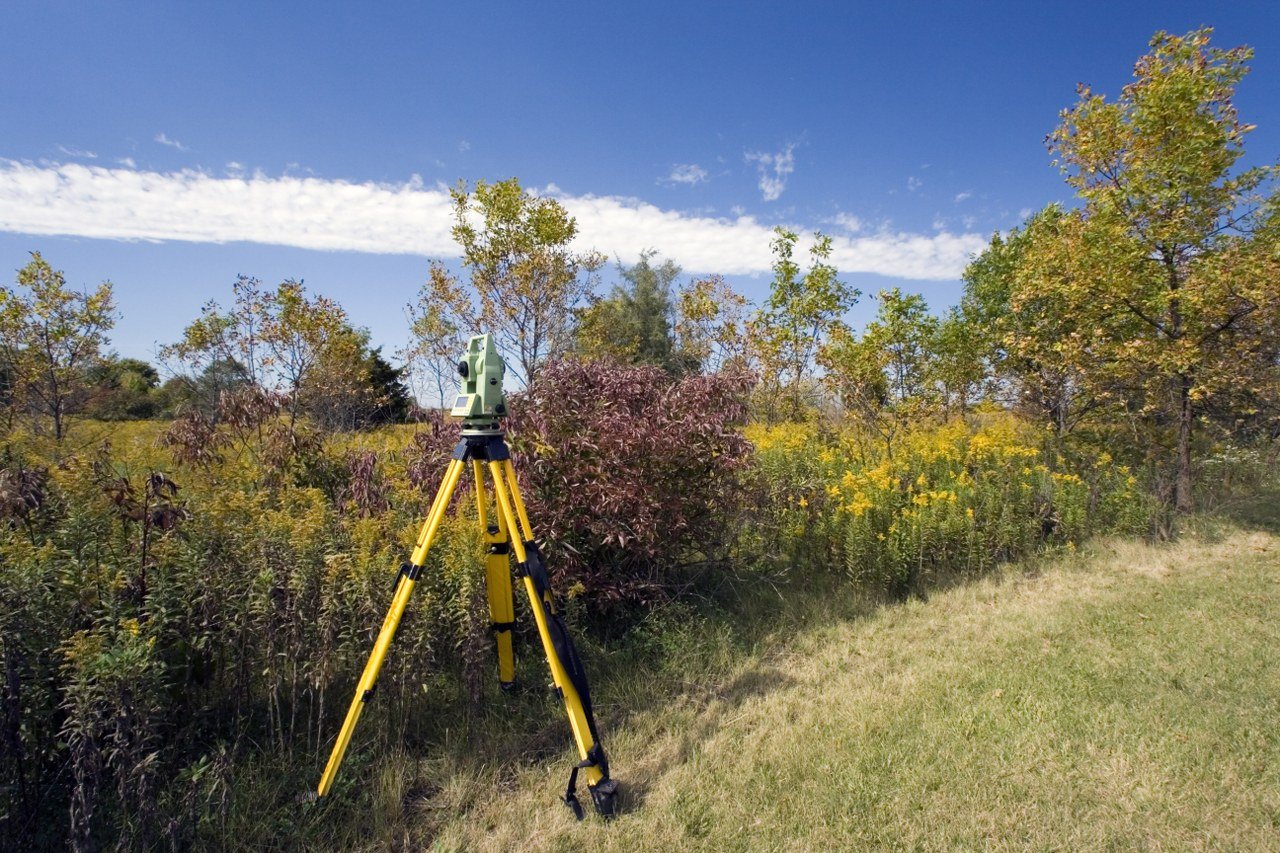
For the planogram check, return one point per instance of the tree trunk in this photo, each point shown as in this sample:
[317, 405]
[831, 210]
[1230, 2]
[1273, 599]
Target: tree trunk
[1182, 485]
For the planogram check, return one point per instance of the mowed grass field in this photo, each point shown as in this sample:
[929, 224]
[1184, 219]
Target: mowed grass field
[1127, 696]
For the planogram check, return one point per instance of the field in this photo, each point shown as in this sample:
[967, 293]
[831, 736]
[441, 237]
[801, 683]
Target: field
[844, 570]
[1122, 696]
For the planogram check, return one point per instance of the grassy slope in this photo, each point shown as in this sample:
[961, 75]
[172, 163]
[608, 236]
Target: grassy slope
[1126, 696]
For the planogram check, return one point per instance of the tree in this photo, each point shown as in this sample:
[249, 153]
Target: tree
[122, 389]
[525, 276]
[390, 396]
[303, 348]
[1021, 334]
[1159, 269]
[801, 313]
[431, 356]
[202, 392]
[49, 336]
[711, 325]
[634, 323]
[961, 361]
[888, 375]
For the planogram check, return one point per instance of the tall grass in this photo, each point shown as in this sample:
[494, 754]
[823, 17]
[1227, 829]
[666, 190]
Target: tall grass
[182, 630]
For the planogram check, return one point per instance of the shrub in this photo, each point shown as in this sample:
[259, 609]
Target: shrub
[630, 475]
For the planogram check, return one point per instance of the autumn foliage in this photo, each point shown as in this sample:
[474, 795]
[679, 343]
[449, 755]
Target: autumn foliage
[631, 475]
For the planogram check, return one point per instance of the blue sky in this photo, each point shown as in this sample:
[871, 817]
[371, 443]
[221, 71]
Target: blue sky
[169, 147]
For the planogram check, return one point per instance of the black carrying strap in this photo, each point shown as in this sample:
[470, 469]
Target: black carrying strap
[565, 650]
[571, 790]
[536, 569]
[568, 655]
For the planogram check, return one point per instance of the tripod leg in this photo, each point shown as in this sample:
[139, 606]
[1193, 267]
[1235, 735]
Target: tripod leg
[497, 576]
[566, 669]
[404, 588]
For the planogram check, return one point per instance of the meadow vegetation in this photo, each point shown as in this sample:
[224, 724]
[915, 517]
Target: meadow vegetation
[790, 548]
[1122, 695]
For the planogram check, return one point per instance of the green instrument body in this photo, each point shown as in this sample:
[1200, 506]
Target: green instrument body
[480, 401]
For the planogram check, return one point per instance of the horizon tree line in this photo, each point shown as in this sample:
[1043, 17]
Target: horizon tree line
[1150, 308]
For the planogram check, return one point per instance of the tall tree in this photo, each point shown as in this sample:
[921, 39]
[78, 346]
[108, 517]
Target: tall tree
[1159, 269]
[431, 356]
[800, 315]
[961, 361]
[711, 325]
[49, 336]
[633, 324]
[526, 277]
[1021, 333]
[888, 376]
[285, 341]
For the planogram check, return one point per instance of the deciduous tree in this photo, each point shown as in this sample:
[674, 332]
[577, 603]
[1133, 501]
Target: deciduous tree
[431, 355]
[799, 316]
[526, 277]
[888, 375]
[49, 336]
[1159, 270]
[285, 341]
[1022, 333]
[711, 325]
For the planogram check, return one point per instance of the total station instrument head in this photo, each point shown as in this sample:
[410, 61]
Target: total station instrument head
[480, 401]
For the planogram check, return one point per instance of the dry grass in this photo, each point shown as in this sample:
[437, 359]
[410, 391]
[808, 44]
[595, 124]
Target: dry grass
[1127, 696]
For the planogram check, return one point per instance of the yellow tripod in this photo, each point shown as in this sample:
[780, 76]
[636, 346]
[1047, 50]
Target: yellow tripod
[483, 445]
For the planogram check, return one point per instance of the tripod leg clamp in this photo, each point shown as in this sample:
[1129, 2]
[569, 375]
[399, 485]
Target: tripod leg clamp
[408, 570]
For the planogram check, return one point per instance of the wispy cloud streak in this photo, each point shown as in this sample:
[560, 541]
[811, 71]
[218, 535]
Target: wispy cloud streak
[163, 139]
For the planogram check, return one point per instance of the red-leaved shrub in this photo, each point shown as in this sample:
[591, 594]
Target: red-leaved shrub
[629, 474]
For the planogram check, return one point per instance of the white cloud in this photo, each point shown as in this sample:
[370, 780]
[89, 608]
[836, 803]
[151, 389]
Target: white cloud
[847, 221]
[686, 173]
[914, 183]
[773, 169]
[939, 224]
[464, 145]
[76, 152]
[962, 196]
[1025, 213]
[172, 143]
[410, 219]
